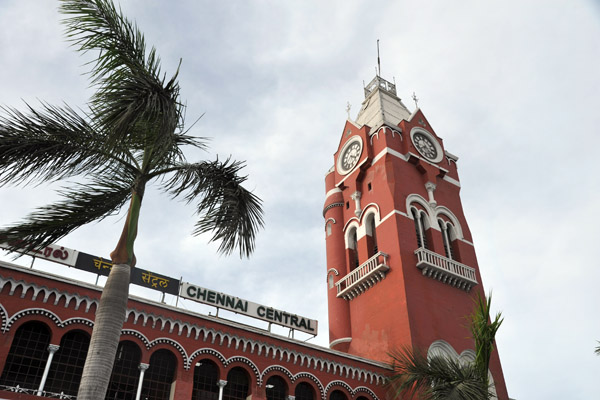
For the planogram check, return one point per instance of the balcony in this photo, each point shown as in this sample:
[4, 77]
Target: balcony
[445, 270]
[379, 82]
[364, 277]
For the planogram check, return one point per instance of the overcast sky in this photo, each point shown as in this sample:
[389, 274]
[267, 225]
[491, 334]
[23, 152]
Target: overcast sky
[513, 88]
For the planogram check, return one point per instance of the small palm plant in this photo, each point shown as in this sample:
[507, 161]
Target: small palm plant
[439, 377]
[132, 133]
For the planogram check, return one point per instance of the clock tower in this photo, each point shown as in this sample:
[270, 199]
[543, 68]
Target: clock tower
[401, 265]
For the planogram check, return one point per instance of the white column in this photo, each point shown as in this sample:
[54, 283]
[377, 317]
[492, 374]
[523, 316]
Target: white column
[356, 197]
[430, 187]
[51, 349]
[221, 384]
[143, 367]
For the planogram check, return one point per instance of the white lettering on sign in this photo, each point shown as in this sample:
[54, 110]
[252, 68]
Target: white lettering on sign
[245, 307]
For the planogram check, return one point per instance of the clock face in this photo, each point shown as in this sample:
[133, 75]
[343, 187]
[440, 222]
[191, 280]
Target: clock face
[350, 155]
[425, 146]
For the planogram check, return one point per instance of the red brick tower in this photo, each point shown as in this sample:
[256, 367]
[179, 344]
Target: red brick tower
[401, 266]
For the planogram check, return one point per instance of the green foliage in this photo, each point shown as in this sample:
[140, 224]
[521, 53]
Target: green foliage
[438, 377]
[484, 331]
[131, 133]
[435, 378]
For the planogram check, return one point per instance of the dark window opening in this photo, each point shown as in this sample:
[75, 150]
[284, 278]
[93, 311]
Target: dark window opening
[125, 374]
[67, 365]
[354, 263]
[420, 228]
[304, 391]
[337, 395]
[276, 388]
[27, 356]
[206, 376]
[160, 376]
[237, 385]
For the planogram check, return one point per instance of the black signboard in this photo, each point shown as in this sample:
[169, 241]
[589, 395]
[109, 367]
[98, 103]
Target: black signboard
[155, 281]
[90, 263]
[140, 277]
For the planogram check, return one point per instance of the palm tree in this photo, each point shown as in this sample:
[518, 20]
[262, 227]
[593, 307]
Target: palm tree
[130, 134]
[439, 377]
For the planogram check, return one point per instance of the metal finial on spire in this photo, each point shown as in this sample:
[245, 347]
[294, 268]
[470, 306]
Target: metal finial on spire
[414, 97]
[378, 60]
[348, 107]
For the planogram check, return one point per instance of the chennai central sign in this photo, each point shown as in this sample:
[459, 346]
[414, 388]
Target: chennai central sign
[245, 307]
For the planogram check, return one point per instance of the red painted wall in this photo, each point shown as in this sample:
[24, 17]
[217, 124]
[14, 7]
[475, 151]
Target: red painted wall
[406, 308]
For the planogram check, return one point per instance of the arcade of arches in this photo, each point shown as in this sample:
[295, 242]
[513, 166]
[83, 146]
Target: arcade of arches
[45, 337]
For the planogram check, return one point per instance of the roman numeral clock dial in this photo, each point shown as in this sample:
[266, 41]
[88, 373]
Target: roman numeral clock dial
[349, 155]
[426, 145]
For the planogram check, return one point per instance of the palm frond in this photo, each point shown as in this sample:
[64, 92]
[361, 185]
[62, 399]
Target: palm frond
[132, 102]
[435, 378]
[484, 331]
[230, 212]
[49, 144]
[455, 380]
[97, 25]
[82, 204]
[411, 374]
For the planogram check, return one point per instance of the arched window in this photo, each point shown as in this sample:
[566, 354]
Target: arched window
[238, 384]
[206, 375]
[304, 391]
[125, 374]
[449, 238]
[353, 249]
[371, 235]
[420, 218]
[276, 388]
[160, 376]
[337, 395]
[66, 368]
[27, 356]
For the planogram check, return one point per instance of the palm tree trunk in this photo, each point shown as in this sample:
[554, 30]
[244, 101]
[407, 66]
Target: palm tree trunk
[110, 314]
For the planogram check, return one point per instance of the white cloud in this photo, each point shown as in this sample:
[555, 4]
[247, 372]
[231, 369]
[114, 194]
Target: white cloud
[512, 87]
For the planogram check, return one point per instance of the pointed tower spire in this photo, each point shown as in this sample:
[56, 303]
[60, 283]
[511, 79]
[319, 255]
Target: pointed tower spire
[378, 60]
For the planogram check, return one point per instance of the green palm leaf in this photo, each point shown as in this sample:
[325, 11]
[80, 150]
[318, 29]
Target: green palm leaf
[82, 204]
[132, 100]
[439, 377]
[230, 212]
[133, 132]
[49, 144]
[484, 331]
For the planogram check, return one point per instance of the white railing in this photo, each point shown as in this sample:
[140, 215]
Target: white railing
[381, 83]
[34, 392]
[363, 277]
[445, 270]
